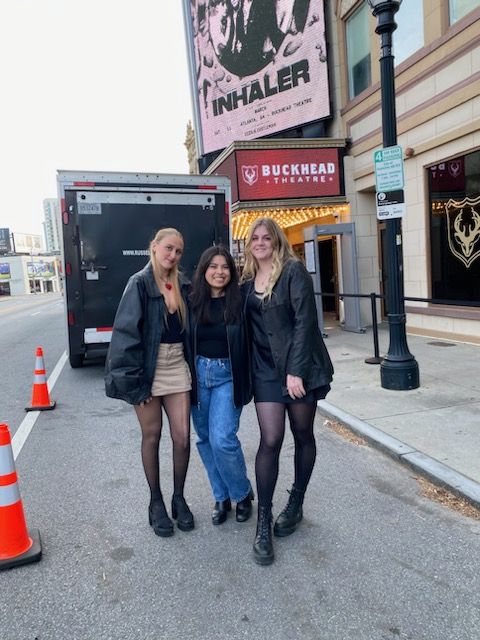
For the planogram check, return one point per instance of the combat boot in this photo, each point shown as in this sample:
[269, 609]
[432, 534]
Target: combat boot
[289, 518]
[263, 545]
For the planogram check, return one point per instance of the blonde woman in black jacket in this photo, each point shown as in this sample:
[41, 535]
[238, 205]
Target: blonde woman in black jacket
[146, 367]
[291, 370]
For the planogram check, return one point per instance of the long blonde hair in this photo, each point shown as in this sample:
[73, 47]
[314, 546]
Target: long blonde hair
[282, 252]
[173, 275]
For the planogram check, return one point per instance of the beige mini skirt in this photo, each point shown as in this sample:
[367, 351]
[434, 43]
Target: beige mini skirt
[172, 374]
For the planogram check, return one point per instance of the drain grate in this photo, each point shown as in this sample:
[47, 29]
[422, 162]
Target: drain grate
[442, 344]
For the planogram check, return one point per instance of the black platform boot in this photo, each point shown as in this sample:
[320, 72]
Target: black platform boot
[159, 520]
[182, 514]
[263, 546]
[289, 518]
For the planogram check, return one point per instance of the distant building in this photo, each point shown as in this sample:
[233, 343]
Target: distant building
[51, 210]
[24, 274]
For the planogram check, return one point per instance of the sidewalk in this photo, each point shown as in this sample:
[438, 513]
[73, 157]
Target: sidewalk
[436, 428]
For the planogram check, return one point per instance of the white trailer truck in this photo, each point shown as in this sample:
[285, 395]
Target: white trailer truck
[108, 221]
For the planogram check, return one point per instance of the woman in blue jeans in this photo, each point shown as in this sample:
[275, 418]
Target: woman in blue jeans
[219, 362]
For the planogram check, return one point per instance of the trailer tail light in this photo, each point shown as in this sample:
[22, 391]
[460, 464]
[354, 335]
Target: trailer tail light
[68, 269]
[71, 319]
[210, 187]
[83, 184]
[64, 211]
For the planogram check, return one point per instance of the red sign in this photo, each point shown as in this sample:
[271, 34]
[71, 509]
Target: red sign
[274, 174]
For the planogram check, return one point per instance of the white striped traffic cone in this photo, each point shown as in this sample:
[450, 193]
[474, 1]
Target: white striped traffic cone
[40, 397]
[17, 545]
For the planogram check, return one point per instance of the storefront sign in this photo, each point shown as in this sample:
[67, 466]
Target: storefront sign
[448, 176]
[463, 229]
[272, 174]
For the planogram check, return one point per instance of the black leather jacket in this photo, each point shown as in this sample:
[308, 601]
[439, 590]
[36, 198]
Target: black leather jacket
[291, 324]
[136, 337]
[239, 360]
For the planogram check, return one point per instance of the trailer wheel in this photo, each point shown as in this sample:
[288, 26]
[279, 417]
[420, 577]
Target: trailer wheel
[76, 360]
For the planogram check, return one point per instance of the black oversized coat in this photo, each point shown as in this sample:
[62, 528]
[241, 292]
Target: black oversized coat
[291, 323]
[137, 333]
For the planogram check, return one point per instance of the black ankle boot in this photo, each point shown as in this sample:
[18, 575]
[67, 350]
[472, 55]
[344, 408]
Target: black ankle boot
[182, 514]
[289, 518]
[220, 511]
[159, 520]
[244, 508]
[263, 546]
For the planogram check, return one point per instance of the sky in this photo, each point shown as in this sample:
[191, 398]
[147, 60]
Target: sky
[97, 85]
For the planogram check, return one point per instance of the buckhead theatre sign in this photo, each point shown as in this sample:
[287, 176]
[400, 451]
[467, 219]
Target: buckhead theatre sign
[272, 174]
[257, 67]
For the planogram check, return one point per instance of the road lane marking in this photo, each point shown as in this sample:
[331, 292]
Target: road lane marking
[26, 426]
[12, 308]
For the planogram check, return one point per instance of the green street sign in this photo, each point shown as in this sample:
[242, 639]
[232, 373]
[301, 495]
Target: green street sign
[389, 169]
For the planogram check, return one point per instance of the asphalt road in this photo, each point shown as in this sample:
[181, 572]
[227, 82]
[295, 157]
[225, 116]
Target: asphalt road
[372, 560]
[27, 322]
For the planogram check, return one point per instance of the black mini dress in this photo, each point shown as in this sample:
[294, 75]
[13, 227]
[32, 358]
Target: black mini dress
[267, 386]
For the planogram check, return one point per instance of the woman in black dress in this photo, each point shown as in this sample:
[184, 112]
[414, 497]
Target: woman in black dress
[291, 370]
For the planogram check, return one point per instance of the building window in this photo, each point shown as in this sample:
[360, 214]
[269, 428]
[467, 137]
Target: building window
[358, 51]
[408, 36]
[454, 187]
[460, 8]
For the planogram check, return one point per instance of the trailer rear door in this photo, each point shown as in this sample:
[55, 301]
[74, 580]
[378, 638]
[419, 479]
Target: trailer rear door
[110, 234]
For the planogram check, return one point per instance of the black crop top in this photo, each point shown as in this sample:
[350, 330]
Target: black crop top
[212, 337]
[172, 332]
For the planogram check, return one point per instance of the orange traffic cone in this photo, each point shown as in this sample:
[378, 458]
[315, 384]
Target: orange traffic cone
[40, 397]
[17, 546]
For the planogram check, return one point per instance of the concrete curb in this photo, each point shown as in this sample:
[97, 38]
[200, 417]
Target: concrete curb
[434, 470]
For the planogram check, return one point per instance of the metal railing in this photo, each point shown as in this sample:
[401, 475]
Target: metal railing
[376, 358]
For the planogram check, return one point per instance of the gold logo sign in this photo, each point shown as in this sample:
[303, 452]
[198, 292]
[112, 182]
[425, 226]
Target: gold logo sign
[463, 229]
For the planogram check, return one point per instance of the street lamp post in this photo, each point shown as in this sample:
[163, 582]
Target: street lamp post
[399, 369]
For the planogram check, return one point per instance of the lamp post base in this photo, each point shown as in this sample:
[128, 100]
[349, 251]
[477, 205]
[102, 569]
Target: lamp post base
[400, 375]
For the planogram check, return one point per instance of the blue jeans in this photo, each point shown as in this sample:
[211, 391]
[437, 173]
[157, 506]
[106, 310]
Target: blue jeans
[216, 421]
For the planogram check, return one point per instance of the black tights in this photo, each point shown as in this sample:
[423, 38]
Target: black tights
[177, 408]
[271, 418]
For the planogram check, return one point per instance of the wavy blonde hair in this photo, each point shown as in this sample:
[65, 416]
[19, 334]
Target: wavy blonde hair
[282, 252]
[173, 275]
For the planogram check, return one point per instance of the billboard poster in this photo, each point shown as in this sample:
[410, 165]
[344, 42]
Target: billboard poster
[258, 67]
[40, 269]
[5, 246]
[28, 243]
[4, 271]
